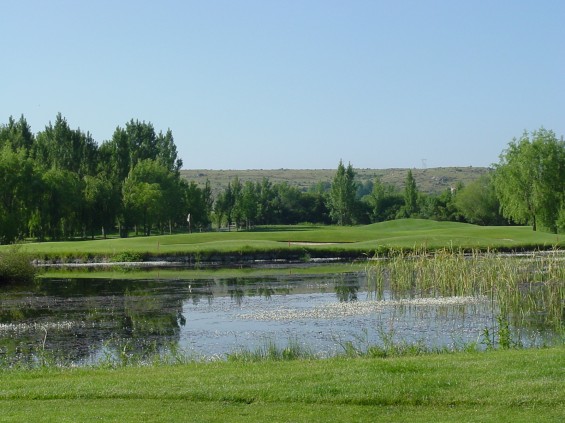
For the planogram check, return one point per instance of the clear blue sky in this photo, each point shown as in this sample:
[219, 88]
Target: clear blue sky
[292, 83]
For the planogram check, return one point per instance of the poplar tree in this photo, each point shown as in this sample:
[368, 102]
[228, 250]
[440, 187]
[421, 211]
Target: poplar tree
[342, 195]
[410, 195]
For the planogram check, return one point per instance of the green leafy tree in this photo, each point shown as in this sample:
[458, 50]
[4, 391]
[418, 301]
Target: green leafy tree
[226, 203]
[234, 212]
[115, 160]
[142, 141]
[208, 201]
[342, 195]
[440, 206]
[410, 196]
[561, 220]
[61, 147]
[265, 196]
[248, 203]
[142, 203]
[60, 183]
[17, 134]
[17, 180]
[220, 208]
[384, 202]
[313, 208]
[195, 203]
[157, 200]
[477, 202]
[60, 204]
[101, 203]
[529, 179]
[167, 151]
[286, 204]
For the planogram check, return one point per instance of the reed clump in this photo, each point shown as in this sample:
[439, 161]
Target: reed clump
[527, 288]
[15, 266]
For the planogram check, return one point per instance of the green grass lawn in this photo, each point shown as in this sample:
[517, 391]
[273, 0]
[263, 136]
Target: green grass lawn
[406, 233]
[511, 385]
[494, 386]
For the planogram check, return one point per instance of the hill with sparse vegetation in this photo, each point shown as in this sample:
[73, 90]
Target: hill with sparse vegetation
[432, 180]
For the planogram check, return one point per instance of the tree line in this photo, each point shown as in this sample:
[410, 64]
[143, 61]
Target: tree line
[527, 186]
[60, 184]
[345, 201]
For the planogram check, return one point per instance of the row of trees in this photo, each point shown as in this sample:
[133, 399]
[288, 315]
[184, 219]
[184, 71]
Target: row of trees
[60, 184]
[346, 202]
[527, 186]
[247, 204]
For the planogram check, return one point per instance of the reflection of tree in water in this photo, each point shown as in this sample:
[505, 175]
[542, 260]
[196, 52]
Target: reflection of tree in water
[235, 288]
[70, 319]
[265, 290]
[200, 289]
[346, 290]
[85, 317]
[147, 315]
[239, 288]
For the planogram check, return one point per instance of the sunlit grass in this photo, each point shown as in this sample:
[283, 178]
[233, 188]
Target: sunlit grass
[513, 385]
[283, 240]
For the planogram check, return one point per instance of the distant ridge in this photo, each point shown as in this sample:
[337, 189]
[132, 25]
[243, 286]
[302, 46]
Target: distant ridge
[429, 180]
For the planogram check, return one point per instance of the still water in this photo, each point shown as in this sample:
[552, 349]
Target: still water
[83, 321]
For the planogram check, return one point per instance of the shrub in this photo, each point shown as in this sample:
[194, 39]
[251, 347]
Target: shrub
[15, 266]
[126, 257]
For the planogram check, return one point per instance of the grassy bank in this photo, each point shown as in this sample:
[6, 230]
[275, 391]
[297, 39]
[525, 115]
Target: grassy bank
[303, 242]
[120, 272]
[514, 385]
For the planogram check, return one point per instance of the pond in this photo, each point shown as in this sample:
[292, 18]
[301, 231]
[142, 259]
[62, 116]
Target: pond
[87, 321]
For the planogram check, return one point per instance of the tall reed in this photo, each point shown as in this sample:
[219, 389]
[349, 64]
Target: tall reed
[527, 289]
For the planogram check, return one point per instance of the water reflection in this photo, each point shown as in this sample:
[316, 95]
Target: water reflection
[346, 290]
[88, 320]
[75, 318]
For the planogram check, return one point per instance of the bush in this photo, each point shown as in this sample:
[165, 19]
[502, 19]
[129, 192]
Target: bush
[126, 257]
[16, 266]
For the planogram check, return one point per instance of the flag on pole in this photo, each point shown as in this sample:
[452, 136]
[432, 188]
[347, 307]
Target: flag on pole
[188, 218]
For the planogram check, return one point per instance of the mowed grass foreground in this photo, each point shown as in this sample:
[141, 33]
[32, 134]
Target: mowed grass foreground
[493, 386]
[398, 234]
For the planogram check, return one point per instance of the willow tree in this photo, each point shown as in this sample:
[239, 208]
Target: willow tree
[529, 179]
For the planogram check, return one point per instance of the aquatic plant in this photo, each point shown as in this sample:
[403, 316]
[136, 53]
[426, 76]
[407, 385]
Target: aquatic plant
[388, 345]
[126, 257]
[528, 288]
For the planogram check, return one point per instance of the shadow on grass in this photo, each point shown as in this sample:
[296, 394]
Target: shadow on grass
[283, 228]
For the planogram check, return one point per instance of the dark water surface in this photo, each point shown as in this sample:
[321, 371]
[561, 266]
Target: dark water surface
[90, 320]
